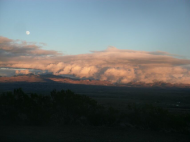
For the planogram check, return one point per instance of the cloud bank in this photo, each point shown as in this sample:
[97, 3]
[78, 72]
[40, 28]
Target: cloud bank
[113, 65]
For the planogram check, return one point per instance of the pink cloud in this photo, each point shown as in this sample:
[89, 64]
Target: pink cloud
[16, 48]
[22, 72]
[112, 64]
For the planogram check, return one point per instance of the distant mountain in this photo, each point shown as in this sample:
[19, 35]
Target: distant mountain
[61, 79]
[22, 78]
[50, 78]
[155, 84]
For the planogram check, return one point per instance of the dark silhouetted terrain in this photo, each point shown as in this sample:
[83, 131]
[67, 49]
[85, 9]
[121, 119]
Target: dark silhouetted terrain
[124, 113]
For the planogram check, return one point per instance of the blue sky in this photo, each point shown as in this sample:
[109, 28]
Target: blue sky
[81, 26]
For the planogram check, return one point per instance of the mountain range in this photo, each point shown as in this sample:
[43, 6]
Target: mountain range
[62, 79]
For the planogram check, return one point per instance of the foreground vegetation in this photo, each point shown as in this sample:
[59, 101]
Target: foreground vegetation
[67, 108]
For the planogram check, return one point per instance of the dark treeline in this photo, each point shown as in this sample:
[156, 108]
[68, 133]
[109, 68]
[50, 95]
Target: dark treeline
[67, 108]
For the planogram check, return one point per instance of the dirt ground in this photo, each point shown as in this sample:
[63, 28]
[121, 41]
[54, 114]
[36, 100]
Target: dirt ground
[84, 133]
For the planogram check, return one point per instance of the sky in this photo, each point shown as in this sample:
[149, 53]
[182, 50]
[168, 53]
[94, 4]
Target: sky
[116, 40]
[81, 26]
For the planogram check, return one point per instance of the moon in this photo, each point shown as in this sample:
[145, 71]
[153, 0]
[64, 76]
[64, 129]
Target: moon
[27, 32]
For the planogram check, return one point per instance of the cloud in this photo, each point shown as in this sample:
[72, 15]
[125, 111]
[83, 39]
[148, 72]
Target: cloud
[7, 72]
[114, 65]
[22, 72]
[13, 48]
